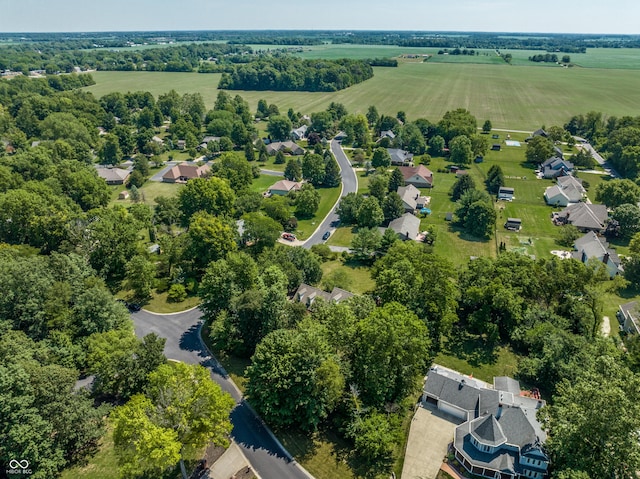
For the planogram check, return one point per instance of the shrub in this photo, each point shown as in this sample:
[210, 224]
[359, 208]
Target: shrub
[177, 293]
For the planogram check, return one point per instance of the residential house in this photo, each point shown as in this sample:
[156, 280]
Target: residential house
[284, 187]
[555, 166]
[499, 435]
[585, 217]
[184, 172]
[113, 176]
[284, 146]
[400, 157]
[419, 176]
[206, 140]
[568, 190]
[387, 134]
[629, 317]
[513, 224]
[505, 193]
[412, 199]
[306, 295]
[299, 133]
[407, 226]
[592, 246]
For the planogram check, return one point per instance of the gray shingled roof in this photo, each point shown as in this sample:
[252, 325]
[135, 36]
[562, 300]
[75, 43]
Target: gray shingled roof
[407, 226]
[487, 430]
[505, 383]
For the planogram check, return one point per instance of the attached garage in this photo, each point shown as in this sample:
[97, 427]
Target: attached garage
[453, 410]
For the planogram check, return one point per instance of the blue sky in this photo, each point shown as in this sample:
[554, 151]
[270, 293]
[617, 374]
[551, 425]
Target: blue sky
[568, 16]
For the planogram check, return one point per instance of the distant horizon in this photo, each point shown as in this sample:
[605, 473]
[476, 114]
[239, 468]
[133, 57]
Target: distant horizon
[589, 17]
[332, 30]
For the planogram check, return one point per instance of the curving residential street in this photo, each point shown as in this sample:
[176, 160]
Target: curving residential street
[349, 185]
[182, 332]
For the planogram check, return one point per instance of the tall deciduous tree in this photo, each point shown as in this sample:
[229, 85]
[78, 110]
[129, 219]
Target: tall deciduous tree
[618, 192]
[212, 195]
[209, 239]
[313, 169]
[279, 127]
[369, 213]
[460, 150]
[391, 352]
[461, 186]
[380, 158]
[307, 201]
[294, 378]
[293, 170]
[539, 149]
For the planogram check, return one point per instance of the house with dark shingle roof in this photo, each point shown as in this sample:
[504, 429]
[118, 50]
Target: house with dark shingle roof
[276, 146]
[400, 157]
[306, 295]
[556, 166]
[584, 216]
[592, 246]
[407, 226]
[500, 436]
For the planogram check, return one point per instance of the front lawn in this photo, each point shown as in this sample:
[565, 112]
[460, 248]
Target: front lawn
[342, 236]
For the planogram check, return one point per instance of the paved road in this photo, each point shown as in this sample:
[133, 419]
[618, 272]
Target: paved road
[271, 172]
[596, 156]
[349, 185]
[181, 331]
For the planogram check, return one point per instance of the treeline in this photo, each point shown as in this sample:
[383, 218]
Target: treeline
[617, 138]
[51, 58]
[457, 51]
[294, 74]
[549, 58]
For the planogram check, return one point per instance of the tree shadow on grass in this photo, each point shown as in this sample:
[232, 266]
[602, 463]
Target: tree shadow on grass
[473, 349]
[462, 234]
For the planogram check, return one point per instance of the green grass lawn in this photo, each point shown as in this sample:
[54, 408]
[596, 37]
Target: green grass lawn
[342, 236]
[263, 182]
[328, 197]
[358, 274]
[517, 97]
[159, 304]
[151, 190]
[103, 465]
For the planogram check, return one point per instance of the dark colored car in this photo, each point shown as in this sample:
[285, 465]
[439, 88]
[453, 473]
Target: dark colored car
[326, 235]
[134, 307]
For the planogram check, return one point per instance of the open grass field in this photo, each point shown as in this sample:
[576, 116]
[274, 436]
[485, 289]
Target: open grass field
[516, 97]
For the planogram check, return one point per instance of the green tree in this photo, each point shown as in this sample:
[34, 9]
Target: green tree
[307, 201]
[586, 413]
[369, 213]
[177, 293]
[235, 169]
[460, 150]
[388, 239]
[212, 195]
[456, 123]
[261, 230]
[391, 351]
[184, 411]
[618, 192]
[486, 126]
[313, 169]
[209, 239]
[495, 179]
[481, 219]
[294, 379]
[396, 180]
[628, 216]
[380, 158]
[279, 127]
[280, 159]
[348, 208]
[277, 207]
[167, 210]
[479, 145]
[539, 149]
[293, 170]
[568, 235]
[374, 441]
[372, 115]
[365, 243]
[463, 184]
[110, 153]
[332, 176]
[436, 145]
[249, 152]
[392, 206]
[379, 185]
[141, 275]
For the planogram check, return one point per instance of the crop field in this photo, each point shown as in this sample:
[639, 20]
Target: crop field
[516, 97]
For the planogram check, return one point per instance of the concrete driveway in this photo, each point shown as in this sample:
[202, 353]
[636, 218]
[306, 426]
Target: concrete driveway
[430, 434]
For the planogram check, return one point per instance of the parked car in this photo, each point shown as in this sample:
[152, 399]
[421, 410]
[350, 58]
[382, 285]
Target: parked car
[326, 235]
[134, 307]
[288, 236]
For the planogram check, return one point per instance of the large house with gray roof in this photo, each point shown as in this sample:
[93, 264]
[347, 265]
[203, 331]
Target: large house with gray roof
[568, 190]
[306, 295]
[629, 317]
[593, 247]
[407, 227]
[556, 166]
[584, 216]
[500, 436]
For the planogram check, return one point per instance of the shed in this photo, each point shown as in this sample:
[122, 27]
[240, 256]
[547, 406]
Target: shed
[496, 147]
[448, 216]
[479, 159]
[505, 193]
[513, 224]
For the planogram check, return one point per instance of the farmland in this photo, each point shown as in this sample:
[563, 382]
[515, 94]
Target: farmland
[511, 96]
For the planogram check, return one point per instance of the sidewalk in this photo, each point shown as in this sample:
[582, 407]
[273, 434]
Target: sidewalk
[231, 464]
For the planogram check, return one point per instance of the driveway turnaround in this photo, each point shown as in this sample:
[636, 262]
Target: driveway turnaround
[430, 434]
[182, 332]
